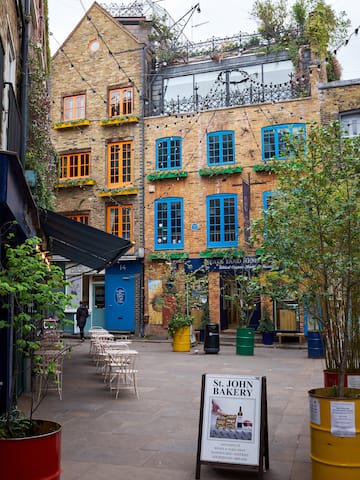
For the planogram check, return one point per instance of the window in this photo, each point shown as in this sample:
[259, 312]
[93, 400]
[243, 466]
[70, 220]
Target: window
[267, 198]
[119, 221]
[75, 165]
[222, 220]
[274, 140]
[169, 231]
[121, 101]
[79, 217]
[168, 153]
[120, 164]
[350, 124]
[220, 148]
[74, 107]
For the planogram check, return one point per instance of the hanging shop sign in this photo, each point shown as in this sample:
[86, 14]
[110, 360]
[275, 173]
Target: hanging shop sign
[233, 422]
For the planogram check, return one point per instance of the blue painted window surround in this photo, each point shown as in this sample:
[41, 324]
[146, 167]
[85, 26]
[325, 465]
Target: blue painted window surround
[220, 148]
[274, 139]
[222, 224]
[168, 153]
[169, 224]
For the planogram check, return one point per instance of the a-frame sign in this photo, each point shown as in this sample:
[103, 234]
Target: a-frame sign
[233, 424]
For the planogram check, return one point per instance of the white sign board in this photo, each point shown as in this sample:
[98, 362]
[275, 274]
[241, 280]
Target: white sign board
[231, 419]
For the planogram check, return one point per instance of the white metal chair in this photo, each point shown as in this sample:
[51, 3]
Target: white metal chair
[122, 371]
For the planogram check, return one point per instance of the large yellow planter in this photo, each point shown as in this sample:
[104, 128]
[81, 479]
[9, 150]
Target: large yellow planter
[181, 340]
[334, 453]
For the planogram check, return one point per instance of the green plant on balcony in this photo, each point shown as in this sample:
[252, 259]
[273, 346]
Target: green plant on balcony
[83, 122]
[222, 253]
[212, 171]
[265, 167]
[119, 120]
[165, 174]
[112, 192]
[168, 256]
[75, 182]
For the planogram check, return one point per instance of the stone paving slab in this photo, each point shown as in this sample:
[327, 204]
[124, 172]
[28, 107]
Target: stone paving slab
[155, 437]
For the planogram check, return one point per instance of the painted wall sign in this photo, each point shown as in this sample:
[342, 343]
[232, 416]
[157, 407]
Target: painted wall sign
[233, 424]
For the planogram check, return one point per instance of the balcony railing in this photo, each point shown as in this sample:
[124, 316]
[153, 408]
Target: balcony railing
[255, 93]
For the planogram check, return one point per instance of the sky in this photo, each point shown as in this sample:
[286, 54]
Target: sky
[232, 18]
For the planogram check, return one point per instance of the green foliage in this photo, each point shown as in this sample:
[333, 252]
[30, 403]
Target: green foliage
[312, 238]
[178, 320]
[244, 295]
[308, 23]
[265, 324]
[31, 289]
[40, 155]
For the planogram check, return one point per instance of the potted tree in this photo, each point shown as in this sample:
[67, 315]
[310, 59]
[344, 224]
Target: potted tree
[184, 290]
[266, 327]
[315, 212]
[245, 296]
[30, 289]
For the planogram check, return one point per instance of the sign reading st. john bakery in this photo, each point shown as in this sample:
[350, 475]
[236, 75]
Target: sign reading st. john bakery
[231, 419]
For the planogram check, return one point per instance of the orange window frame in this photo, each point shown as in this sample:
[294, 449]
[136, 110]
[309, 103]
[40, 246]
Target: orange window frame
[119, 221]
[119, 171]
[121, 101]
[75, 165]
[74, 107]
[80, 217]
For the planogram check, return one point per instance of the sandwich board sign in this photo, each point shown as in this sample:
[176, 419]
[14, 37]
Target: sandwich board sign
[233, 428]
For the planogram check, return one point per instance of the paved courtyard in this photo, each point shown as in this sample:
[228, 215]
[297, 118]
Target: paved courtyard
[155, 437]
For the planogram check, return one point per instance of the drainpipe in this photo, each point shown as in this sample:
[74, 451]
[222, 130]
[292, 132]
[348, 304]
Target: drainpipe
[142, 196]
[25, 82]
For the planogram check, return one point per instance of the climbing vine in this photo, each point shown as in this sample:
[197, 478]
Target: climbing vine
[40, 155]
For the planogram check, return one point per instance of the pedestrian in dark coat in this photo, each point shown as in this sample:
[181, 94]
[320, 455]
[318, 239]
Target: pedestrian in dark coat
[81, 316]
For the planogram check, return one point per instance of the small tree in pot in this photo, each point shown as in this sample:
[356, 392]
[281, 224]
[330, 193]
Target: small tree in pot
[312, 239]
[30, 288]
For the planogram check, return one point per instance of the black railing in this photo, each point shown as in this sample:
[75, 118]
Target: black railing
[255, 93]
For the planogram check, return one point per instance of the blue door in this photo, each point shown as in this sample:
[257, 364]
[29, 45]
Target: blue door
[120, 302]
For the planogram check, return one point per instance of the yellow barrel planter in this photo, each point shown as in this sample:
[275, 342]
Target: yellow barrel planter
[181, 340]
[335, 434]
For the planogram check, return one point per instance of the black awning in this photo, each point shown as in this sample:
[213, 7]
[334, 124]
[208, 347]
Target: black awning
[81, 243]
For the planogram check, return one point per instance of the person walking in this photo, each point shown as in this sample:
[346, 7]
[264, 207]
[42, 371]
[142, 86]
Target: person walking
[81, 316]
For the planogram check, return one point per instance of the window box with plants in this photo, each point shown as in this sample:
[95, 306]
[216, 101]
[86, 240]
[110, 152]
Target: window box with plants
[29, 447]
[222, 253]
[71, 124]
[166, 174]
[120, 120]
[75, 182]
[223, 170]
[115, 192]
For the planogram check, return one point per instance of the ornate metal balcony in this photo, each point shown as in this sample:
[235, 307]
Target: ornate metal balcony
[254, 93]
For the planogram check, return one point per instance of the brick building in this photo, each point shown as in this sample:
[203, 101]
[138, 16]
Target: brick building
[96, 87]
[203, 126]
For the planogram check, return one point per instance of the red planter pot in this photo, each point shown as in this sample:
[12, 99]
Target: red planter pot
[352, 378]
[33, 458]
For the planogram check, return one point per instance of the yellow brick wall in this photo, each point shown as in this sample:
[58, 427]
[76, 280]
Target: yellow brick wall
[76, 70]
[246, 122]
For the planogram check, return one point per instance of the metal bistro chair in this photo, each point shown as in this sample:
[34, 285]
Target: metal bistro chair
[108, 348]
[49, 371]
[122, 370]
